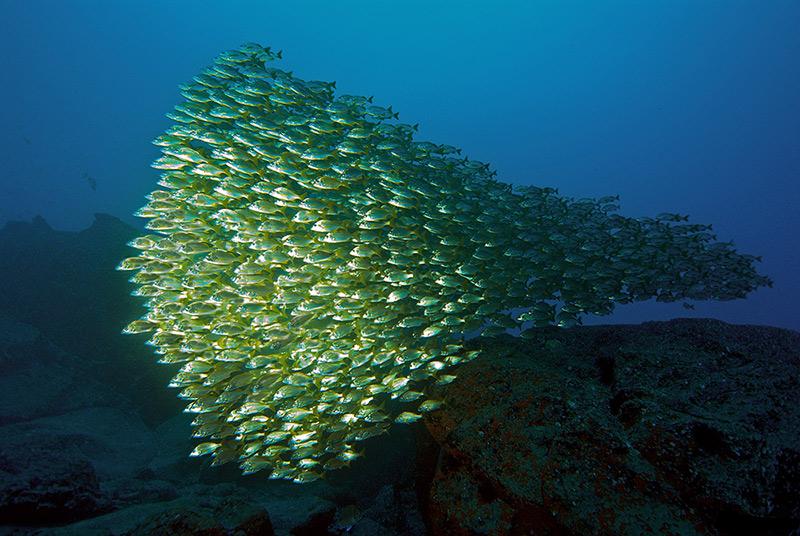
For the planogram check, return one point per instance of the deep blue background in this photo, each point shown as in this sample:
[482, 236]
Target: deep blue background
[680, 105]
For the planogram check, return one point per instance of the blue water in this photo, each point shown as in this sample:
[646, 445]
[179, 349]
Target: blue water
[676, 105]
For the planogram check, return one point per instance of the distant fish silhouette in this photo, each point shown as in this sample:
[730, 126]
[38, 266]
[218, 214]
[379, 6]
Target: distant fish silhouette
[91, 180]
[26, 139]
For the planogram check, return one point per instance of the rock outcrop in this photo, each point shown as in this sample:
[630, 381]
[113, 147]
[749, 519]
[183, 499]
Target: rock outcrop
[681, 427]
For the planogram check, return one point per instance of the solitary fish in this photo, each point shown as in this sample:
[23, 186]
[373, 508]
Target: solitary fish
[91, 180]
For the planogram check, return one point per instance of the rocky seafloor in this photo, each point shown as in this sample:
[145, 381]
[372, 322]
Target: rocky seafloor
[680, 427]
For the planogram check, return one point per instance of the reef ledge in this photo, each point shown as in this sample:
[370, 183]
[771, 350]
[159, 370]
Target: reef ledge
[689, 426]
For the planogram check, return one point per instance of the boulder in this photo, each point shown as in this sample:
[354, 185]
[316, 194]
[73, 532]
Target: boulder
[65, 285]
[55, 469]
[392, 512]
[680, 427]
[199, 511]
[38, 379]
[40, 494]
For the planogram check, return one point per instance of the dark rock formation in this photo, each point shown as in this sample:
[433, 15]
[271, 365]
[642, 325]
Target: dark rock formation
[220, 511]
[38, 379]
[65, 285]
[49, 493]
[681, 427]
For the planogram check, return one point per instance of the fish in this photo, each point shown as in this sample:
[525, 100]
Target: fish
[309, 260]
[407, 417]
[90, 180]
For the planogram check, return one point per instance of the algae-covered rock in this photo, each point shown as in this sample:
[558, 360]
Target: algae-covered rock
[681, 427]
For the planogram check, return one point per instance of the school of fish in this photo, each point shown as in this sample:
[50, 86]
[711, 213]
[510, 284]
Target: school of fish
[313, 269]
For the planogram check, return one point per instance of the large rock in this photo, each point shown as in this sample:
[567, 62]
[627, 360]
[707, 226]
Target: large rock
[392, 512]
[65, 285]
[174, 443]
[54, 469]
[39, 379]
[40, 494]
[200, 511]
[681, 427]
